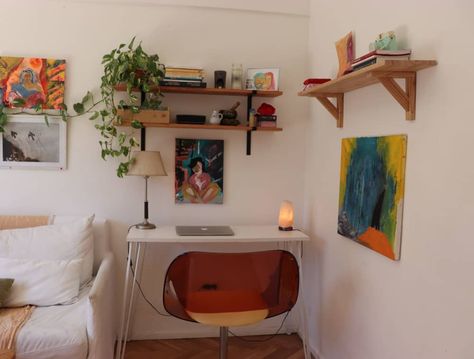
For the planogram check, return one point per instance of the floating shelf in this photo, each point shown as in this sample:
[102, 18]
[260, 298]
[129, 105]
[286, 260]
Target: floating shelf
[212, 91]
[384, 72]
[126, 122]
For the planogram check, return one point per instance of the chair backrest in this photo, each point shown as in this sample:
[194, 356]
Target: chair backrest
[273, 275]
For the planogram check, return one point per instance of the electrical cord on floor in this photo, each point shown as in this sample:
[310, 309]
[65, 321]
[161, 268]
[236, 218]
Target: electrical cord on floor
[265, 339]
[139, 286]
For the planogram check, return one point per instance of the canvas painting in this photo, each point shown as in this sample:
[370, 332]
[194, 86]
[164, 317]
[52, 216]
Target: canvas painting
[199, 174]
[262, 79]
[38, 83]
[371, 192]
[28, 142]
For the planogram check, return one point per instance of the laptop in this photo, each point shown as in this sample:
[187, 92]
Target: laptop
[204, 231]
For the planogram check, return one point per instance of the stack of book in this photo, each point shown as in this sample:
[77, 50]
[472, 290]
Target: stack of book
[373, 56]
[268, 121]
[184, 77]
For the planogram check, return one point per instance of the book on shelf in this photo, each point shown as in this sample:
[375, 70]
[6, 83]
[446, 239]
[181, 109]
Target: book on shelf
[184, 78]
[181, 79]
[196, 84]
[184, 72]
[266, 117]
[267, 124]
[382, 53]
[381, 57]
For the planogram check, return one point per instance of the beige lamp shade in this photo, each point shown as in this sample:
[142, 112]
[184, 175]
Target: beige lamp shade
[147, 164]
[285, 219]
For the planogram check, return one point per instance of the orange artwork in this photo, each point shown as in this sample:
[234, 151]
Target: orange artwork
[32, 82]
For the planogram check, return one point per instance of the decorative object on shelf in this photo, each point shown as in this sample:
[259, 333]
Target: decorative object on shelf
[216, 118]
[262, 79]
[219, 79]
[30, 142]
[345, 53]
[237, 76]
[371, 192]
[146, 164]
[266, 116]
[32, 83]
[312, 82]
[199, 171]
[286, 216]
[229, 117]
[385, 41]
[184, 77]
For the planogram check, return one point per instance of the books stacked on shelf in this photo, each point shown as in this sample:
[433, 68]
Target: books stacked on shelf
[267, 121]
[373, 56]
[184, 77]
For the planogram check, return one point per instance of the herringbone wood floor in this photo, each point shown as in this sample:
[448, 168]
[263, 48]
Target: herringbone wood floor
[280, 347]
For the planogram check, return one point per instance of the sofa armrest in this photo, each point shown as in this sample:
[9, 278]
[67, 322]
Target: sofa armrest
[101, 328]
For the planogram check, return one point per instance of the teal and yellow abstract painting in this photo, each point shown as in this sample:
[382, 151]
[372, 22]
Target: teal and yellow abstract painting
[371, 192]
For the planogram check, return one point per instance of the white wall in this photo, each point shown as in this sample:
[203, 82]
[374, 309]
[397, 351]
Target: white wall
[364, 305]
[81, 32]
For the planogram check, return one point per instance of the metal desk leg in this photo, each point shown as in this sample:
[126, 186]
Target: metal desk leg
[124, 301]
[128, 312]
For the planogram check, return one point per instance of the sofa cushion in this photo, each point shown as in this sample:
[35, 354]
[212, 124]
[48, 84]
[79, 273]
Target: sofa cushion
[39, 282]
[64, 241]
[5, 286]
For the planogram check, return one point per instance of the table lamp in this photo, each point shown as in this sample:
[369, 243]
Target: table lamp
[285, 219]
[146, 164]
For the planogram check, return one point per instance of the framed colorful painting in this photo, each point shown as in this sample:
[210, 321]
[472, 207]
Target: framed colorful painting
[262, 79]
[371, 192]
[32, 82]
[199, 174]
[28, 142]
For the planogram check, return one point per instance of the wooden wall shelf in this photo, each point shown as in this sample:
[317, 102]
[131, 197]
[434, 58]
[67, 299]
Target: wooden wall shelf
[384, 72]
[249, 94]
[126, 122]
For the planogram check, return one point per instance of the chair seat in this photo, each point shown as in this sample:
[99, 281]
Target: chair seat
[226, 308]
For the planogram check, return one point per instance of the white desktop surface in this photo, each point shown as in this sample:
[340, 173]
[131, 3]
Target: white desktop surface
[251, 233]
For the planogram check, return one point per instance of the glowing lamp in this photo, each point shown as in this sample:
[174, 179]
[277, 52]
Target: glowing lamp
[285, 219]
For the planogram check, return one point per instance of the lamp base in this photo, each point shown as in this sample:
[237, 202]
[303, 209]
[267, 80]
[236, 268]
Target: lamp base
[145, 225]
[285, 228]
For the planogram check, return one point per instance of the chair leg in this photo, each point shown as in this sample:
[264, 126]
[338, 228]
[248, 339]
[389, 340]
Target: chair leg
[224, 332]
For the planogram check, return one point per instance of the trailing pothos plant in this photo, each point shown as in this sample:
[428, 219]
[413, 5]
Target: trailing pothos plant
[128, 69]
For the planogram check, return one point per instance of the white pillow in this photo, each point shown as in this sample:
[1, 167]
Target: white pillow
[64, 241]
[40, 283]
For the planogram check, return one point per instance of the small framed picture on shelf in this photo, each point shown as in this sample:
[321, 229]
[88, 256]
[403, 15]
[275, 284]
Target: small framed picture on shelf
[30, 143]
[262, 79]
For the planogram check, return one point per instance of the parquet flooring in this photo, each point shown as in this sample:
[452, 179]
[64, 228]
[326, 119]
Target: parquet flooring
[280, 347]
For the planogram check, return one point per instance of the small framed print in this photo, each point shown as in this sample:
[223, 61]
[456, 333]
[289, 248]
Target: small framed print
[262, 79]
[30, 143]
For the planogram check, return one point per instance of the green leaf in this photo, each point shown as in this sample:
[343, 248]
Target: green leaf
[94, 116]
[19, 102]
[46, 120]
[79, 108]
[63, 116]
[87, 97]
[136, 124]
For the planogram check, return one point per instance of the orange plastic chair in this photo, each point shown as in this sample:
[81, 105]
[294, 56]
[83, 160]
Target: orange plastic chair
[231, 289]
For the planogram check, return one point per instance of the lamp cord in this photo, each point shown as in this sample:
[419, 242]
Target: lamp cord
[270, 337]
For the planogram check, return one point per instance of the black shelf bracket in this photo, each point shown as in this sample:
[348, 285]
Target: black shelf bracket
[249, 132]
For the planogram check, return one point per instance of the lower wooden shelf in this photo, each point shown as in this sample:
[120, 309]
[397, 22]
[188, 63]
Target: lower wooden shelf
[206, 127]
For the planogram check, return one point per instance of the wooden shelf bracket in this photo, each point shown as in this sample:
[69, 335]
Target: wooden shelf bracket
[337, 110]
[406, 98]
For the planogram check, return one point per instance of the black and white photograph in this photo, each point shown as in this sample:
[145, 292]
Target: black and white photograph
[29, 142]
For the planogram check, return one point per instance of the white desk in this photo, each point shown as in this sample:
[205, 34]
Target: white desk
[292, 241]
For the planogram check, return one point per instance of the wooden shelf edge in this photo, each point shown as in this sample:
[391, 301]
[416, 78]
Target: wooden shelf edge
[210, 91]
[126, 123]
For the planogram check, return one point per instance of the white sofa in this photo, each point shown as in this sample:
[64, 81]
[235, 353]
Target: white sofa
[85, 329]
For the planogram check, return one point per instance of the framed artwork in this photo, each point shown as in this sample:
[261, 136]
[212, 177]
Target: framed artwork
[199, 174]
[371, 192]
[37, 82]
[28, 142]
[262, 79]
